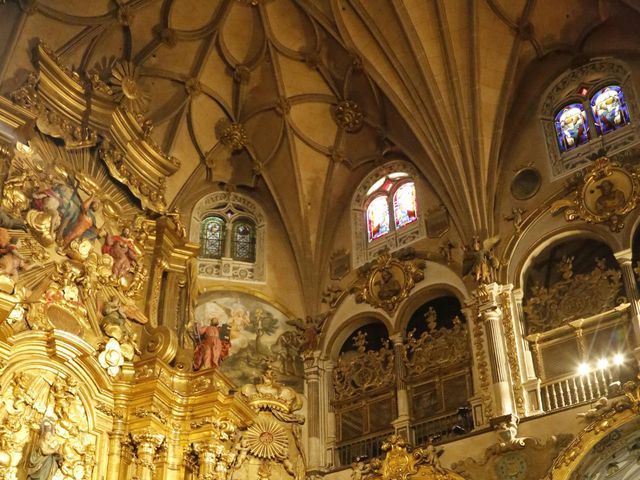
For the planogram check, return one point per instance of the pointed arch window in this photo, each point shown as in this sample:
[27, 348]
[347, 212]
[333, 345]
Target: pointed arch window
[385, 211]
[244, 241]
[588, 112]
[391, 204]
[212, 237]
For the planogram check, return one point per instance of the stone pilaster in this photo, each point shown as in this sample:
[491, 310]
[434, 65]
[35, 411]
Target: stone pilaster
[401, 423]
[625, 260]
[312, 390]
[492, 318]
[330, 424]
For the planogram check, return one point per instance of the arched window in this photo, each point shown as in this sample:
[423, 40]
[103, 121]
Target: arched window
[572, 127]
[378, 217]
[610, 110]
[212, 236]
[587, 112]
[405, 206]
[244, 241]
[385, 211]
[230, 229]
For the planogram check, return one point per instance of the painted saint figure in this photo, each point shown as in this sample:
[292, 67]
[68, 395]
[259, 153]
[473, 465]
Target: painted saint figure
[610, 199]
[213, 345]
[45, 459]
[389, 285]
[84, 222]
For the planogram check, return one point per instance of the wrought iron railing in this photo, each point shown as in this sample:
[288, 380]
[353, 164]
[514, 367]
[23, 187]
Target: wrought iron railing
[369, 447]
[439, 428]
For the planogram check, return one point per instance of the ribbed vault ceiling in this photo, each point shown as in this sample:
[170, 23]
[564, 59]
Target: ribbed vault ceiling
[433, 78]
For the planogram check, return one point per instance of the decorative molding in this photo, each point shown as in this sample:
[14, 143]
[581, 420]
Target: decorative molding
[572, 297]
[606, 193]
[387, 281]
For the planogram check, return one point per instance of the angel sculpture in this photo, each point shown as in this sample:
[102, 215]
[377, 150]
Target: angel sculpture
[122, 250]
[309, 331]
[508, 435]
[359, 469]
[516, 218]
[115, 324]
[11, 260]
[485, 262]
[432, 457]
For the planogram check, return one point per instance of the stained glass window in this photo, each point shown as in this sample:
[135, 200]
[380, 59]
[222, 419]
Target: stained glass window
[212, 237]
[378, 217]
[244, 241]
[610, 110]
[404, 204]
[572, 127]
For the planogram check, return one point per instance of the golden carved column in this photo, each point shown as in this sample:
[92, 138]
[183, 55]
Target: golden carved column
[531, 380]
[147, 447]
[116, 437]
[625, 260]
[214, 460]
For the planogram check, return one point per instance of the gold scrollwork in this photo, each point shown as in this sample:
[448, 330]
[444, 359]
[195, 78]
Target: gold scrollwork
[436, 347]
[606, 194]
[387, 281]
[574, 296]
[364, 370]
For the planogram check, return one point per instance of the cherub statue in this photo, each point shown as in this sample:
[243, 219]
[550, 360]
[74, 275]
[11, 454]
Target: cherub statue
[11, 260]
[432, 456]
[599, 408]
[508, 435]
[359, 469]
[242, 451]
[114, 324]
[122, 250]
[516, 218]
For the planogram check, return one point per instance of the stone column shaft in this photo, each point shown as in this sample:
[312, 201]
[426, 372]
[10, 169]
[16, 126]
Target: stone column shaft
[625, 260]
[501, 380]
[312, 387]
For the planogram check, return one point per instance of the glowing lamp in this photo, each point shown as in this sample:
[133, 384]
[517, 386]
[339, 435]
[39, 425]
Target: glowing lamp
[618, 359]
[583, 369]
[603, 363]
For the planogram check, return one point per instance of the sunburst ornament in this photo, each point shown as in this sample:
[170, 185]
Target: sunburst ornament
[127, 89]
[267, 440]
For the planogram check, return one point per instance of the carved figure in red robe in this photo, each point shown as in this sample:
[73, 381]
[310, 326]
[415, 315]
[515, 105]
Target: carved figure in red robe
[213, 345]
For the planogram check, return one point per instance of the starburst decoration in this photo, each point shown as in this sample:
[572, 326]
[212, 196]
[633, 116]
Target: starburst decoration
[267, 440]
[127, 89]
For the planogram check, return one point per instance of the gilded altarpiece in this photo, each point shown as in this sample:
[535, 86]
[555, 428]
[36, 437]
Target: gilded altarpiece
[93, 268]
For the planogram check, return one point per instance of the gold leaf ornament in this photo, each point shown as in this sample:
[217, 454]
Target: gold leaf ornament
[267, 440]
[127, 89]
